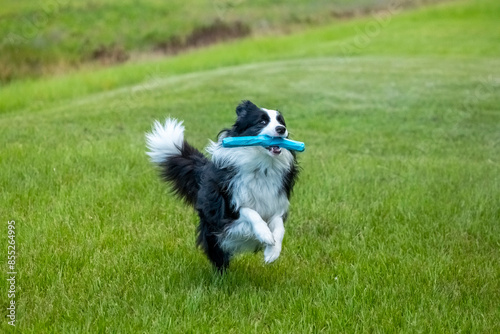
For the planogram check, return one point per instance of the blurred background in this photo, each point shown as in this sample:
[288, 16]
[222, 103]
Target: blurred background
[53, 36]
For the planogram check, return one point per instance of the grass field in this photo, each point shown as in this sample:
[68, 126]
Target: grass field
[394, 224]
[39, 38]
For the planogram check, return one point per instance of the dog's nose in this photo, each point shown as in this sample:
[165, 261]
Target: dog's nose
[280, 130]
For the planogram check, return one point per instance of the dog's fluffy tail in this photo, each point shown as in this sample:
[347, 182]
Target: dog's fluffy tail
[180, 163]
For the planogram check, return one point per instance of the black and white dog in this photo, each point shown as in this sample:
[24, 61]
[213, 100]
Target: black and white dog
[241, 194]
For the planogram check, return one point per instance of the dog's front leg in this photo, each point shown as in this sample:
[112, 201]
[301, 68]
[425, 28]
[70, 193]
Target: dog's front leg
[258, 225]
[272, 252]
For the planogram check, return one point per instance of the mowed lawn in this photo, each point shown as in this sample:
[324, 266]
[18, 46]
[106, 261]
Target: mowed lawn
[394, 224]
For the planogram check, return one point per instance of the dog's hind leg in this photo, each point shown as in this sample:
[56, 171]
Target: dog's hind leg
[217, 255]
[210, 245]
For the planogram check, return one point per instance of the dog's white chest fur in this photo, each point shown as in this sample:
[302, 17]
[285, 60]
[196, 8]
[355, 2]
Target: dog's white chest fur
[260, 188]
[258, 183]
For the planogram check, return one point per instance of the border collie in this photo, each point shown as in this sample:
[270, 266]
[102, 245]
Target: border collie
[241, 194]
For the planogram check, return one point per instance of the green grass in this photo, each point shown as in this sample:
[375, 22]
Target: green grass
[57, 35]
[394, 223]
[465, 31]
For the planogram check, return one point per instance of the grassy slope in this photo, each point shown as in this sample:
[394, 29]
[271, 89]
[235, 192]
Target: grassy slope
[394, 224]
[55, 35]
[465, 31]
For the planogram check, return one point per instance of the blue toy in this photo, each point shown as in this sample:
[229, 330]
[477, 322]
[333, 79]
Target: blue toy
[265, 141]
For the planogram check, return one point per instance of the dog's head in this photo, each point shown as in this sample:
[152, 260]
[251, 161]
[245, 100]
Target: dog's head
[253, 121]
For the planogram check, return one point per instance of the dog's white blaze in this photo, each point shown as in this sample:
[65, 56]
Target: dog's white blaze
[165, 140]
[270, 129]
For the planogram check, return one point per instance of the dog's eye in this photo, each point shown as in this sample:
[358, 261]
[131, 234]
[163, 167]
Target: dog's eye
[263, 122]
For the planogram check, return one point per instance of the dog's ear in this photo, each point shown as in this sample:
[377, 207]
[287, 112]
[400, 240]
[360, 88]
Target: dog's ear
[244, 107]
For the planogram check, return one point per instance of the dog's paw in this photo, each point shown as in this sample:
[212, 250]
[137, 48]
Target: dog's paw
[271, 253]
[265, 236]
